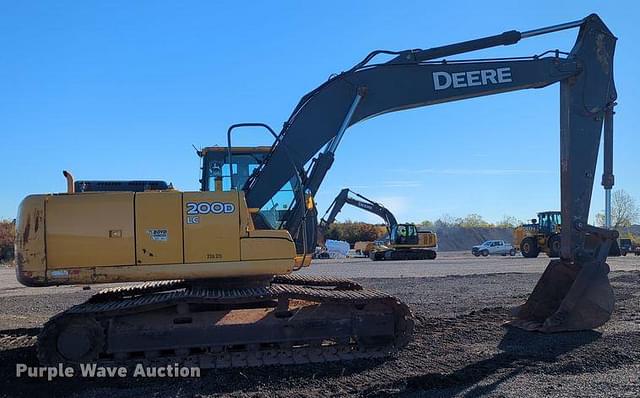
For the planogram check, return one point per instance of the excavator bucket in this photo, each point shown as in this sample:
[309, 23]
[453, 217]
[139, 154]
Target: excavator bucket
[568, 296]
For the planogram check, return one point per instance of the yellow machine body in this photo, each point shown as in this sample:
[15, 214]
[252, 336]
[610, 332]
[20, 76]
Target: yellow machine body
[363, 247]
[523, 231]
[427, 239]
[102, 237]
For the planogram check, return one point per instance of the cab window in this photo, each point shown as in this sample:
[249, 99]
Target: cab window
[243, 166]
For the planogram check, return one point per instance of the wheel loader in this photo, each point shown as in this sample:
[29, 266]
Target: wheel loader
[542, 235]
[214, 267]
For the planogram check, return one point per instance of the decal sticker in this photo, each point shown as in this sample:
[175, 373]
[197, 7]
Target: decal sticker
[158, 234]
[483, 77]
[60, 274]
[194, 208]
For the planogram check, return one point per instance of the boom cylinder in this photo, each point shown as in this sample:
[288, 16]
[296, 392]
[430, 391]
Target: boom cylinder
[335, 141]
[551, 29]
[607, 175]
[504, 39]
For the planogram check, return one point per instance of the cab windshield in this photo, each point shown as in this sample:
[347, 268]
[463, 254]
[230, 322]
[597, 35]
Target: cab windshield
[549, 221]
[404, 234]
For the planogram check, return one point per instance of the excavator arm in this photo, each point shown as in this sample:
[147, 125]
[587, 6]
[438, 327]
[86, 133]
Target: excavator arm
[333, 210]
[363, 203]
[416, 78]
[412, 79]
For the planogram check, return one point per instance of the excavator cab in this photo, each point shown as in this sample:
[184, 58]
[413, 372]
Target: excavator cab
[217, 175]
[404, 234]
[549, 222]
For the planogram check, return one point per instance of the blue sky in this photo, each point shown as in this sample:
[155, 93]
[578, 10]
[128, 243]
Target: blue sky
[121, 90]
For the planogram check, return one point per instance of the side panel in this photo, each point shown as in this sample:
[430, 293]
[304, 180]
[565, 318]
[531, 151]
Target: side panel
[268, 245]
[158, 227]
[31, 260]
[211, 227]
[517, 237]
[87, 230]
[427, 239]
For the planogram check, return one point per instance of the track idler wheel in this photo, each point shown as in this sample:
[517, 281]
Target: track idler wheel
[70, 340]
[568, 297]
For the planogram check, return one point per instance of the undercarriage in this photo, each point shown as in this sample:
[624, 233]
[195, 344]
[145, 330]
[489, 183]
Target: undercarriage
[402, 254]
[291, 320]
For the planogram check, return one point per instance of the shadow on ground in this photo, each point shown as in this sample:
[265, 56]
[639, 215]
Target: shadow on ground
[519, 350]
[221, 381]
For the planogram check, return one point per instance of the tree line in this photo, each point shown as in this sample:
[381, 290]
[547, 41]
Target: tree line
[470, 221]
[7, 239]
[625, 212]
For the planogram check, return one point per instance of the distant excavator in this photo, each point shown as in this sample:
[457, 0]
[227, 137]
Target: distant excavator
[403, 241]
[215, 264]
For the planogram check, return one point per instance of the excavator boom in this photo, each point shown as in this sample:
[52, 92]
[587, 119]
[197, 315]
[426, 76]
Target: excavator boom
[368, 90]
[416, 78]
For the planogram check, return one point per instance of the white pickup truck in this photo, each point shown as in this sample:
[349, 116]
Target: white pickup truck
[493, 247]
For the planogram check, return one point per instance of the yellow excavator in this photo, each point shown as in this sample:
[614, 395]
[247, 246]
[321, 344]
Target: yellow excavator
[403, 241]
[216, 265]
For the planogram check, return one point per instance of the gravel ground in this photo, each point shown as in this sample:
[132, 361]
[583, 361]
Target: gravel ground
[461, 346]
